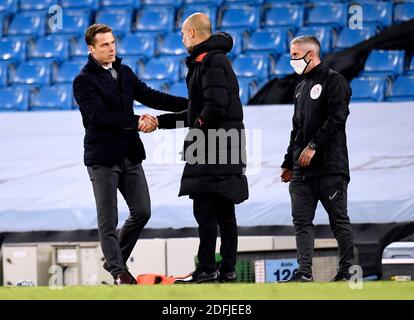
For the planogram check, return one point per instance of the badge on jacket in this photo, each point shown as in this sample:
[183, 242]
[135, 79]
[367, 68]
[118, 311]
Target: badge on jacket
[316, 91]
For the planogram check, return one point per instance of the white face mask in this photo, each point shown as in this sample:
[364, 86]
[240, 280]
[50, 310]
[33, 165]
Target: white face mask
[300, 64]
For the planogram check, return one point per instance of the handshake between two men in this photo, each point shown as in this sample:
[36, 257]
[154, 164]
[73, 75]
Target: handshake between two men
[147, 123]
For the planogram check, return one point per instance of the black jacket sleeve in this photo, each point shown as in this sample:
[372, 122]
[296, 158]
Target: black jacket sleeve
[215, 91]
[288, 161]
[92, 106]
[156, 99]
[173, 120]
[339, 94]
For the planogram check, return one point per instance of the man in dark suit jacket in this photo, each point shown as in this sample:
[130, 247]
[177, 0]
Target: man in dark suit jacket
[105, 90]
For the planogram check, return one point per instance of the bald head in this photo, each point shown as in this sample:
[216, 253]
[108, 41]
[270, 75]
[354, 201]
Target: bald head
[195, 29]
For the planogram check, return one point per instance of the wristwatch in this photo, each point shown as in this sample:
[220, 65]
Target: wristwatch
[312, 145]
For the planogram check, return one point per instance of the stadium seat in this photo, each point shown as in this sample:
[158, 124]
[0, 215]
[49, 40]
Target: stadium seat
[282, 68]
[119, 19]
[14, 99]
[402, 89]
[252, 66]
[178, 89]
[2, 19]
[350, 37]
[121, 3]
[171, 44]
[403, 12]
[249, 2]
[188, 10]
[173, 3]
[90, 4]
[141, 45]
[163, 68]
[36, 4]
[132, 61]
[31, 73]
[367, 89]
[214, 2]
[75, 22]
[183, 70]
[155, 18]
[13, 50]
[377, 12]
[247, 88]
[411, 66]
[10, 6]
[325, 35]
[283, 15]
[58, 97]
[384, 63]
[240, 17]
[67, 71]
[3, 73]
[78, 48]
[30, 23]
[160, 85]
[332, 14]
[267, 41]
[49, 48]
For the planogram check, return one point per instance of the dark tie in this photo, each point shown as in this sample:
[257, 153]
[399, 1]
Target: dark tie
[114, 74]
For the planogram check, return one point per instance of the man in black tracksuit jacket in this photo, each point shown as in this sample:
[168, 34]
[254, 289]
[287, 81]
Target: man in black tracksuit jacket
[316, 162]
[214, 186]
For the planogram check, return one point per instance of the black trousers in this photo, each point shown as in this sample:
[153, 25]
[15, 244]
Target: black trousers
[212, 211]
[129, 178]
[332, 192]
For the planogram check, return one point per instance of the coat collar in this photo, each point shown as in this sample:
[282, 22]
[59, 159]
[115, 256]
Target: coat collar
[95, 66]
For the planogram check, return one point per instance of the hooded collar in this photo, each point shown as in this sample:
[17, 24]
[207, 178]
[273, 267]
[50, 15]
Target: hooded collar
[218, 42]
[320, 67]
[95, 66]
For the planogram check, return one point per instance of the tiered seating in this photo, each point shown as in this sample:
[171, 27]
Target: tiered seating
[37, 61]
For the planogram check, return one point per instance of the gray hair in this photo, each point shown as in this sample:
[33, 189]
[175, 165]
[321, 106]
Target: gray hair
[310, 40]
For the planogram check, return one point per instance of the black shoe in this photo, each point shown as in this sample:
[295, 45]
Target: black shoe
[299, 277]
[125, 277]
[341, 277]
[228, 276]
[199, 277]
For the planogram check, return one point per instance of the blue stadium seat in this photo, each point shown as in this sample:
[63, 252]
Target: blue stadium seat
[141, 45]
[249, 2]
[119, 19]
[213, 2]
[239, 17]
[254, 66]
[14, 99]
[75, 22]
[283, 15]
[31, 73]
[332, 14]
[267, 41]
[10, 6]
[323, 34]
[29, 23]
[155, 18]
[163, 68]
[174, 3]
[178, 89]
[282, 68]
[171, 44]
[183, 70]
[403, 12]
[411, 66]
[90, 4]
[12, 50]
[132, 61]
[188, 10]
[2, 19]
[36, 4]
[58, 97]
[385, 63]
[368, 89]
[160, 85]
[377, 12]
[121, 3]
[67, 71]
[402, 89]
[51, 98]
[350, 37]
[247, 89]
[3, 73]
[78, 48]
[49, 48]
